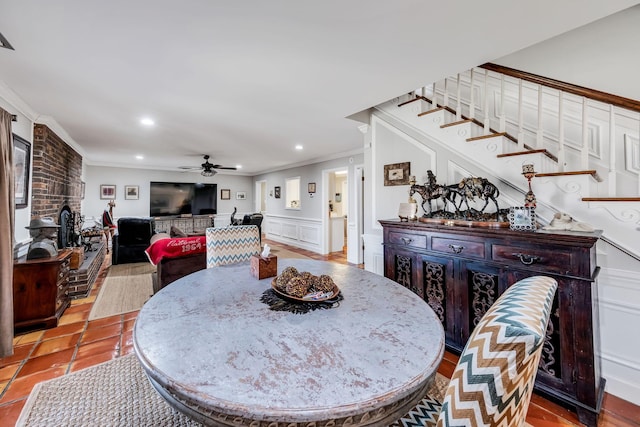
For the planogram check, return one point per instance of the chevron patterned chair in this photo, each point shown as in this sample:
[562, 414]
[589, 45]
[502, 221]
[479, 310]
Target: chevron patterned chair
[229, 245]
[493, 380]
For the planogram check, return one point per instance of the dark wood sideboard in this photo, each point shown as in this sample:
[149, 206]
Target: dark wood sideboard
[460, 271]
[40, 291]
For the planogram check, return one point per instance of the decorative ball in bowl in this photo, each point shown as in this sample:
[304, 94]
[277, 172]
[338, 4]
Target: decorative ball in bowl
[304, 286]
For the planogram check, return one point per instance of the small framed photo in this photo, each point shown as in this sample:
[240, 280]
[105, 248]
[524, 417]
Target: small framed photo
[522, 219]
[131, 192]
[311, 187]
[276, 192]
[397, 173]
[107, 191]
[82, 189]
[241, 195]
[225, 194]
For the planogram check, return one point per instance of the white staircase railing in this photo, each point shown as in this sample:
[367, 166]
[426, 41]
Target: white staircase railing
[585, 151]
[581, 133]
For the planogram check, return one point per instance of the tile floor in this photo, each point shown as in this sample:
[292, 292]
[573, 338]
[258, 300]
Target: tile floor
[77, 343]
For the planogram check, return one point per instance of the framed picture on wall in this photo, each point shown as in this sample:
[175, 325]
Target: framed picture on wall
[82, 189]
[276, 192]
[397, 173]
[21, 166]
[131, 192]
[225, 194]
[311, 187]
[107, 191]
[241, 195]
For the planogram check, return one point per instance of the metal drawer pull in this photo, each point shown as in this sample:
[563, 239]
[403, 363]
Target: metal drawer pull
[406, 240]
[456, 248]
[527, 259]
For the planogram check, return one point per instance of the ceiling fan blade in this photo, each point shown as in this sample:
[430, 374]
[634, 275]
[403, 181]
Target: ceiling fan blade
[190, 168]
[227, 168]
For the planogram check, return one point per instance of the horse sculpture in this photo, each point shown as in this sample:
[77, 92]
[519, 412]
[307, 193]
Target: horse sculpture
[433, 191]
[470, 188]
[465, 190]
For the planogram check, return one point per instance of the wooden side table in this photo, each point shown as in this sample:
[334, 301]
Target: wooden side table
[40, 291]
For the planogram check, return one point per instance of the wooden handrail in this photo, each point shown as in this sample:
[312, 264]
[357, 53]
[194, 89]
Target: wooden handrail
[607, 98]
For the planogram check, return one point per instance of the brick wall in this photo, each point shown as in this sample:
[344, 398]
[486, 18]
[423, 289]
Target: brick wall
[57, 171]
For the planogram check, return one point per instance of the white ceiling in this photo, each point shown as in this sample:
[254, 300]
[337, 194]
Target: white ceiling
[245, 81]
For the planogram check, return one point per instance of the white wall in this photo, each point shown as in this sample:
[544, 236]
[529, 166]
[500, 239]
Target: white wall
[601, 55]
[94, 176]
[302, 227]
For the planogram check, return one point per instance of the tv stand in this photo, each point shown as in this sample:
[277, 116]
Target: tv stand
[187, 224]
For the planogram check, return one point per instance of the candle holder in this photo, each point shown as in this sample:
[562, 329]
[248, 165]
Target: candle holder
[529, 198]
[412, 182]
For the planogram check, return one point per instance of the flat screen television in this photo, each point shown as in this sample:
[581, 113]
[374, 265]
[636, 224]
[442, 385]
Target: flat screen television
[180, 198]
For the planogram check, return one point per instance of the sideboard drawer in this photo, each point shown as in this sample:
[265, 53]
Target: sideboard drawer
[466, 248]
[556, 260]
[408, 239]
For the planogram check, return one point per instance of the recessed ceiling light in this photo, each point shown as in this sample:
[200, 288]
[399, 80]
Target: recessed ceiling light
[238, 166]
[298, 147]
[147, 121]
[140, 157]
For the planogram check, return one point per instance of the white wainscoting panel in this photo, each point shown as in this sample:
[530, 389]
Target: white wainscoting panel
[304, 233]
[373, 253]
[619, 312]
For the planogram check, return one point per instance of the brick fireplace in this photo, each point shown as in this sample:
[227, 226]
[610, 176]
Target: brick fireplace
[57, 174]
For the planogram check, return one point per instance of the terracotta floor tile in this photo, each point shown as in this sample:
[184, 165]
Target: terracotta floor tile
[60, 331]
[92, 360]
[128, 325]
[21, 387]
[27, 338]
[79, 308]
[127, 338]
[131, 315]
[48, 361]
[9, 413]
[82, 301]
[7, 372]
[96, 334]
[100, 323]
[3, 385]
[126, 349]
[103, 346]
[56, 344]
[20, 353]
[73, 318]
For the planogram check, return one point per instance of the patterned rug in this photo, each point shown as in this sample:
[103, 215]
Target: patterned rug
[126, 288]
[115, 393]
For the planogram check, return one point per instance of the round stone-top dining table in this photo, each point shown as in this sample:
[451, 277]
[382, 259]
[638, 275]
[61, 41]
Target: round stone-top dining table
[214, 348]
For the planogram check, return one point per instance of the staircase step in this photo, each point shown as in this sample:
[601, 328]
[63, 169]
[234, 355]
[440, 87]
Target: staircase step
[493, 135]
[430, 111]
[417, 98]
[520, 153]
[459, 122]
[611, 199]
[593, 173]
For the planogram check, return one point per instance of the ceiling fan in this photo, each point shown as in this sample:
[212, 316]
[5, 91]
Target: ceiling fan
[208, 169]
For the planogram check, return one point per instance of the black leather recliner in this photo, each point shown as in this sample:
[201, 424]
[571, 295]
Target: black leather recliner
[131, 239]
[254, 219]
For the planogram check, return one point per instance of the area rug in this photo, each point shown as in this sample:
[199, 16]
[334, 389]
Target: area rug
[115, 393]
[126, 288]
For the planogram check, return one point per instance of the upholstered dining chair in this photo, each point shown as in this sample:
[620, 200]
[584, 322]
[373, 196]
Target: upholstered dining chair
[493, 380]
[229, 245]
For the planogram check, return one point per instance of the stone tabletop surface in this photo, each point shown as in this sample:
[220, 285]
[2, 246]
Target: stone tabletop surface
[209, 340]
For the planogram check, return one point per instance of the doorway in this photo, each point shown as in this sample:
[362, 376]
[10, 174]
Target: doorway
[335, 217]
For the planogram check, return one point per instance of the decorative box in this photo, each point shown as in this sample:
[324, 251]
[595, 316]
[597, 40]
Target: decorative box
[261, 268]
[77, 257]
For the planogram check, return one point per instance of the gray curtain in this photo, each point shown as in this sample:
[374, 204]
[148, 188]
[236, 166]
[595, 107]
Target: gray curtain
[7, 209]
